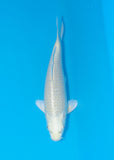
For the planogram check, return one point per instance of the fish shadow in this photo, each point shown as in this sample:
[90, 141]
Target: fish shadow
[66, 79]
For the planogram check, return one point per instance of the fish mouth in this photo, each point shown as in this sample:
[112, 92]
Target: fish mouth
[56, 137]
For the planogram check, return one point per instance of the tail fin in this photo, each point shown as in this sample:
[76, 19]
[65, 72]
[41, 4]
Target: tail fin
[57, 27]
[62, 28]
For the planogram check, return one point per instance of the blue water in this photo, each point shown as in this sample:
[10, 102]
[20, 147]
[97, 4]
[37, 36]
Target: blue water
[27, 36]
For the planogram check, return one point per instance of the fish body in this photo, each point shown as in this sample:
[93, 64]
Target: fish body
[55, 104]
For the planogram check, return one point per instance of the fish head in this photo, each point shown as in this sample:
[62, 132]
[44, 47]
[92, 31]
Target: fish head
[56, 127]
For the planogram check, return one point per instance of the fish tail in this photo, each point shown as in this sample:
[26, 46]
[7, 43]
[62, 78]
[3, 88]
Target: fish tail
[62, 28]
[57, 28]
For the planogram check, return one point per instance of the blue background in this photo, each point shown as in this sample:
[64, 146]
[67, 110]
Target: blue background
[27, 36]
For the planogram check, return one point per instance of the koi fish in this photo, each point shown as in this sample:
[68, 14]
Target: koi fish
[55, 104]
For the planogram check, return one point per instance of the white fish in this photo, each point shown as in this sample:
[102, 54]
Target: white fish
[55, 104]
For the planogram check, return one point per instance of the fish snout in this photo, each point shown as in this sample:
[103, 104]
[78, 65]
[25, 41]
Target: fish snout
[56, 137]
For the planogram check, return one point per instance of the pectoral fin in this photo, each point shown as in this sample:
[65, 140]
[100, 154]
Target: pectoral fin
[72, 104]
[40, 105]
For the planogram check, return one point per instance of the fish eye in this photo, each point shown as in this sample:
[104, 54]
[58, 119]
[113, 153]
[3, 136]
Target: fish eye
[59, 131]
[51, 132]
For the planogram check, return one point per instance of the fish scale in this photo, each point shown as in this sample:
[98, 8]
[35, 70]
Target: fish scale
[55, 97]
